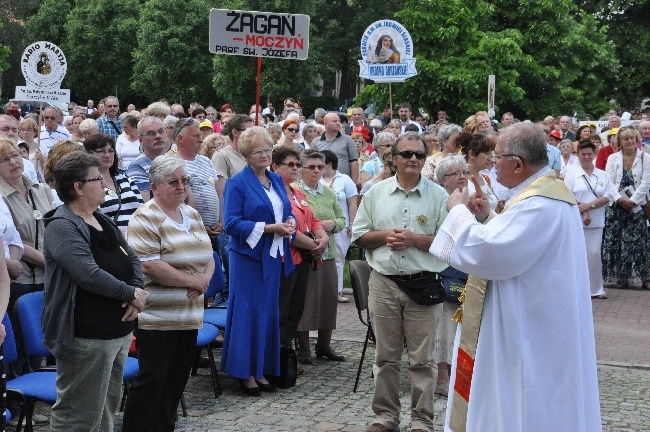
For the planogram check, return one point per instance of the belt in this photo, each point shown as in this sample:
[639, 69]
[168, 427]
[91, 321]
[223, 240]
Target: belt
[419, 275]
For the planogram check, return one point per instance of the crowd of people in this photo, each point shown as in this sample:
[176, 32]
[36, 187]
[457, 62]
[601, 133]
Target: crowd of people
[141, 199]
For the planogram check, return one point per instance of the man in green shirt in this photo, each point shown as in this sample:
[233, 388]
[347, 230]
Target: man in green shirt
[396, 223]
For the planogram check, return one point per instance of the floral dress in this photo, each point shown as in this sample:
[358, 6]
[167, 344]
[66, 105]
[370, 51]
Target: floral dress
[625, 253]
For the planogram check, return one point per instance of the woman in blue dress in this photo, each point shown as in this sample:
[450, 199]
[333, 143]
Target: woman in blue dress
[257, 216]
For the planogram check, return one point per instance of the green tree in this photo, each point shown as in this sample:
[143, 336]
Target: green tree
[41, 27]
[4, 54]
[172, 59]
[98, 43]
[235, 76]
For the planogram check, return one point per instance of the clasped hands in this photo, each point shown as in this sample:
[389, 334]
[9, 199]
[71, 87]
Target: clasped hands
[477, 203]
[135, 306]
[285, 229]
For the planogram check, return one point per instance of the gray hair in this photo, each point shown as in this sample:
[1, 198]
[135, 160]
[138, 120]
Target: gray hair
[311, 154]
[147, 119]
[383, 137]
[163, 166]
[319, 112]
[178, 127]
[565, 141]
[251, 137]
[88, 125]
[394, 122]
[447, 163]
[274, 127]
[447, 132]
[170, 120]
[528, 142]
[158, 109]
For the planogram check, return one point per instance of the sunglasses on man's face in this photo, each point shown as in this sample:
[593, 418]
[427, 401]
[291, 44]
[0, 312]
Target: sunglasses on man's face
[407, 154]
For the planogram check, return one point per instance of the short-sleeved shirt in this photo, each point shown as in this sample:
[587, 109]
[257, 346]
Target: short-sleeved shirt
[122, 202]
[109, 127]
[186, 247]
[343, 147]
[554, 156]
[138, 172]
[48, 139]
[22, 212]
[227, 162]
[127, 151]
[344, 188]
[202, 184]
[388, 206]
[373, 166]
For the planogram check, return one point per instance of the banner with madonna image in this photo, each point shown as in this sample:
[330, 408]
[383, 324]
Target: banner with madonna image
[386, 53]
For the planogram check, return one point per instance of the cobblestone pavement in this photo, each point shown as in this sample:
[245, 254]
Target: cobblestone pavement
[323, 399]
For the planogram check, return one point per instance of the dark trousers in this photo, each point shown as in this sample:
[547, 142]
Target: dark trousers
[293, 291]
[165, 359]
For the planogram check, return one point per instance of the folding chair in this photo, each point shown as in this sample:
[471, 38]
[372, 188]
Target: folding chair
[359, 275]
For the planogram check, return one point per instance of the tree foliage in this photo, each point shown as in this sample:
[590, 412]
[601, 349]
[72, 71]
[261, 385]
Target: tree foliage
[4, 54]
[547, 58]
[172, 58]
[98, 43]
[40, 26]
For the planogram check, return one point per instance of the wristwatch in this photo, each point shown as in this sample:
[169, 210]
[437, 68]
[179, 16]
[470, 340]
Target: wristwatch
[593, 206]
[135, 294]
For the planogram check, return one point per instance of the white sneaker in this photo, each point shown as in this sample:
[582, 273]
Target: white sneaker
[343, 299]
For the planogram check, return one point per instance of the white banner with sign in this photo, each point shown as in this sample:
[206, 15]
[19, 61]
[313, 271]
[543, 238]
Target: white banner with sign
[42, 95]
[386, 53]
[44, 66]
[259, 34]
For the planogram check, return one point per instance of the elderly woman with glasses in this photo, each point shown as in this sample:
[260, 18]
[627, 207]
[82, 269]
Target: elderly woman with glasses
[257, 216]
[93, 294]
[176, 254]
[452, 173]
[387, 171]
[373, 167]
[448, 145]
[28, 202]
[322, 292]
[122, 195]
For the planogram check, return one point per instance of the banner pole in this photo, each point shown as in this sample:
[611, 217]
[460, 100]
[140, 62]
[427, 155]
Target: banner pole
[258, 89]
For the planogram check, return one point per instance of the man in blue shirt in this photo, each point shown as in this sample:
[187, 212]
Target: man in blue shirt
[111, 124]
[152, 138]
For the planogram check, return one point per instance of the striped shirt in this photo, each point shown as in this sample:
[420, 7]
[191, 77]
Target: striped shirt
[202, 184]
[48, 139]
[122, 202]
[186, 247]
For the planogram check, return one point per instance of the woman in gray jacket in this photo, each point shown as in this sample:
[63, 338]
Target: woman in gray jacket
[93, 293]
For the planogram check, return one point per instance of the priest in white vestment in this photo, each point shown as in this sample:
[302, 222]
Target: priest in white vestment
[535, 361]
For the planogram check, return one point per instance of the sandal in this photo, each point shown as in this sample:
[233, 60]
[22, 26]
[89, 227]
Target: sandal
[602, 296]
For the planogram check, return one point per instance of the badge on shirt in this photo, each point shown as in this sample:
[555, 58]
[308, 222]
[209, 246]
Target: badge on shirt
[211, 180]
[37, 215]
[304, 203]
[422, 219]
[112, 193]
[601, 184]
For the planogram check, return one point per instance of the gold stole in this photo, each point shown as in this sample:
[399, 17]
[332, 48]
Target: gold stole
[473, 297]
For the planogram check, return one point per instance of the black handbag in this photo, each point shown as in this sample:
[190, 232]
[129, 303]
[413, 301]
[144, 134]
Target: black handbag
[426, 290]
[306, 255]
[454, 282]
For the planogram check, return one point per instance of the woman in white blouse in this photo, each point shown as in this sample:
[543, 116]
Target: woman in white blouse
[127, 145]
[477, 149]
[568, 161]
[591, 188]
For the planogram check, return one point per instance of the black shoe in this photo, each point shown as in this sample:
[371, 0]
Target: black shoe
[305, 358]
[329, 354]
[250, 391]
[269, 387]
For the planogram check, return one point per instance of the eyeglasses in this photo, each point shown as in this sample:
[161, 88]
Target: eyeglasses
[99, 179]
[291, 164]
[8, 129]
[152, 134]
[104, 152]
[497, 157]
[190, 121]
[112, 106]
[407, 154]
[292, 130]
[7, 159]
[49, 117]
[258, 153]
[458, 174]
[313, 167]
[177, 182]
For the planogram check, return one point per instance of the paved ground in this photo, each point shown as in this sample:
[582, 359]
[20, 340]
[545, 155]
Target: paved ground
[323, 399]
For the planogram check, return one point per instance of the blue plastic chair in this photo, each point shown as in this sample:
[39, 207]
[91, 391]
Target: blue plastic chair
[30, 387]
[216, 314]
[30, 309]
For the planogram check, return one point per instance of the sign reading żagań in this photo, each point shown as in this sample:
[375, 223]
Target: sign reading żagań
[44, 66]
[259, 34]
